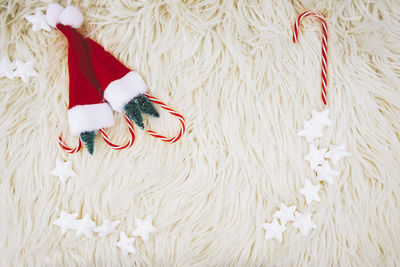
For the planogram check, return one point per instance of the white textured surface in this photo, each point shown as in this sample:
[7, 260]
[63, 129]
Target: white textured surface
[244, 89]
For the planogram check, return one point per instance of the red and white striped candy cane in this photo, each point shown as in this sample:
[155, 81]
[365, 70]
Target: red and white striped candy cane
[67, 148]
[324, 74]
[172, 112]
[121, 147]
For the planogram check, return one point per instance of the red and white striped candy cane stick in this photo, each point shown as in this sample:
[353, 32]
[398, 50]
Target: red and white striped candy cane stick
[324, 74]
[67, 148]
[172, 112]
[121, 147]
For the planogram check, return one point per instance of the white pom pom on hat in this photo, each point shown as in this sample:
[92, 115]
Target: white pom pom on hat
[69, 16]
[53, 14]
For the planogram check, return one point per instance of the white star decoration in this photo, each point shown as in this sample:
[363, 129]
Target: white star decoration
[63, 170]
[38, 21]
[274, 230]
[84, 226]
[25, 70]
[310, 131]
[320, 118]
[310, 192]
[106, 228]
[316, 156]
[126, 244]
[144, 228]
[325, 173]
[7, 68]
[337, 152]
[285, 214]
[303, 223]
[65, 221]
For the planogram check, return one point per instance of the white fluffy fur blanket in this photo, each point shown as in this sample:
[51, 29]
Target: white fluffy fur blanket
[245, 89]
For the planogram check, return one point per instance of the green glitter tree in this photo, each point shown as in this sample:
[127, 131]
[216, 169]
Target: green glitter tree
[88, 139]
[136, 106]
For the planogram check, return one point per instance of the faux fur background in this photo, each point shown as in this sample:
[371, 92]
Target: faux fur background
[244, 88]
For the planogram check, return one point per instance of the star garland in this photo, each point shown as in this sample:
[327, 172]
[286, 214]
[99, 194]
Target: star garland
[317, 157]
[86, 226]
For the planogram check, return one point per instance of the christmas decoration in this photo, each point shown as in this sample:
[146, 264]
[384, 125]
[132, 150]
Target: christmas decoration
[324, 58]
[126, 244]
[63, 170]
[25, 70]
[303, 223]
[7, 68]
[84, 226]
[108, 227]
[335, 153]
[310, 131]
[285, 214]
[320, 119]
[65, 221]
[316, 156]
[38, 21]
[274, 230]
[325, 173]
[144, 228]
[310, 192]
[88, 139]
[99, 84]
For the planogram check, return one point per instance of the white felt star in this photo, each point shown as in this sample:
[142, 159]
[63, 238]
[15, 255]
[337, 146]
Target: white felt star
[310, 131]
[285, 214]
[106, 228]
[274, 230]
[325, 173]
[144, 228]
[337, 152]
[63, 170]
[25, 70]
[38, 21]
[316, 156]
[304, 223]
[320, 118]
[126, 244]
[65, 221]
[7, 68]
[310, 192]
[84, 226]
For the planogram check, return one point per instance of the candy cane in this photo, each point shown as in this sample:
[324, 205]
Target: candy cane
[67, 148]
[172, 112]
[121, 147]
[324, 74]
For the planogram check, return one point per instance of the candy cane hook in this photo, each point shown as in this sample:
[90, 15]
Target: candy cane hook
[67, 148]
[120, 147]
[172, 112]
[324, 74]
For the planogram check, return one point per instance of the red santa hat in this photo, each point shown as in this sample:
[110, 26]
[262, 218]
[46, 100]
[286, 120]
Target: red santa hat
[99, 83]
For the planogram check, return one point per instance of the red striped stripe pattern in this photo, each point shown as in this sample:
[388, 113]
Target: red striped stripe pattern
[324, 74]
[172, 112]
[67, 148]
[128, 144]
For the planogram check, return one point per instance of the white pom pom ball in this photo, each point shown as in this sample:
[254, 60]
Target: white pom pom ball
[71, 16]
[53, 14]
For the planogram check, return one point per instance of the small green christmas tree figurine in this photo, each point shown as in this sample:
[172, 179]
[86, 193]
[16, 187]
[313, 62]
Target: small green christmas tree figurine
[136, 106]
[88, 139]
[146, 106]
